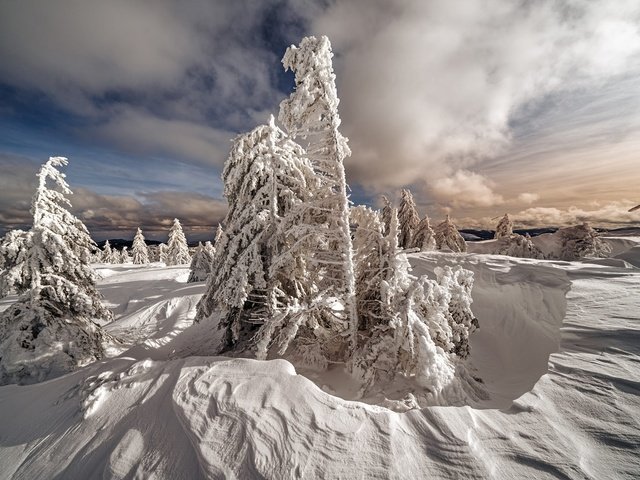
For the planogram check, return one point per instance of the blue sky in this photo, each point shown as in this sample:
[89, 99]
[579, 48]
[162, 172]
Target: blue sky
[526, 107]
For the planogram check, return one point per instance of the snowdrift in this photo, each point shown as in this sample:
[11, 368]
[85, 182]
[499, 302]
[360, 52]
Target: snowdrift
[563, 396]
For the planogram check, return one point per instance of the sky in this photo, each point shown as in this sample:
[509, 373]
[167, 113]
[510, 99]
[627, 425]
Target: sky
[480, 107]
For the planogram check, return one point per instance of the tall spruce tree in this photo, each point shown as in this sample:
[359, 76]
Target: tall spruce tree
[52, 327]
[311, 113]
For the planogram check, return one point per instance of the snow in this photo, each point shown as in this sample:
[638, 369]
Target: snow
[558, 352]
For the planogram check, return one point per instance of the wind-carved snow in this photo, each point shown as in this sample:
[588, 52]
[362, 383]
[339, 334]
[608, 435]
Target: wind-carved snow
[564, 396]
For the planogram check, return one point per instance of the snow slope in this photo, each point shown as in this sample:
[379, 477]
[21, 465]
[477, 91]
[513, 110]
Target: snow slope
[563, 395]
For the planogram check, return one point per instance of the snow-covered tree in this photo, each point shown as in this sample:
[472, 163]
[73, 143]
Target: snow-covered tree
[109, 255]
[385, 214]
[311, 113]
[369, 245]
[177, 248]
[259, 278]
[162, 253]
[581, 241]
[448, 237]
[408, 219]
[139, 249]
[52, 327]
[407, 324]
[219, 232]
[124, 255]
[201, 263]
[517, 245]
[13, 262]
[424, 237]
[458, 282]
[504, 227]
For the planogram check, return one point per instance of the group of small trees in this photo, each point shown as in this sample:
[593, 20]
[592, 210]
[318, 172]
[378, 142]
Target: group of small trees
[175, 253]
[416, 233]
[575, 242]
[289, 279]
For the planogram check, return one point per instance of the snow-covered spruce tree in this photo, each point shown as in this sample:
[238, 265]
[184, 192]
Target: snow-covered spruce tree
[219, 232]
[177, 248]
[385, 214]
[13, 250]
[139, 249]
[424, 237]
[504, 227]
[398, 322]
[369, 245]
[257, 277]
[108, 255]
[124, 255]
[51, 328]
[448, 237]
[210, 252]
[517, 245]
[162, 253]
[458, 282]
[200, 264]
[581, 241]
[408, 219]
[311, 113]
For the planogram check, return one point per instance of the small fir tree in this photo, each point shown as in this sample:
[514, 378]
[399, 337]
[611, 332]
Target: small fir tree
[200, 267]
[424, 237]
[177, 248]
[448, 237]
[408, 219]
[504, 227]
[139, 249]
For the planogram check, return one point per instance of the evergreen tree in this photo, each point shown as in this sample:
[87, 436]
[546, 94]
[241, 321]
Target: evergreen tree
[448, 237]
[139, 249]
[408, 219]
[518, 246]
[424, 237]
[504, 227]
[108, 254]
[311, 113]
[219, 232]
[200, 267]
[581, 241]
[177, 249]
[14, 277]
[386, 215]
[51, 328]
[162, 253]
[124, 255]
[254, 276]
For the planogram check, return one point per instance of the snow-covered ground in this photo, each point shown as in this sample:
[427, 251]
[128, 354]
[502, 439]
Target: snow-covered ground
[558, 353]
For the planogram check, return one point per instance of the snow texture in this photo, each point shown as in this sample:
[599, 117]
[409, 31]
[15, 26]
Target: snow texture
[546, 360]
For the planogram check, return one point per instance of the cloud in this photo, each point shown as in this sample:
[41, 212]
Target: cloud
[428, 88]
[528, 197]
[606, 215]
[138, 132]
[466, 188]
[111, 215]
